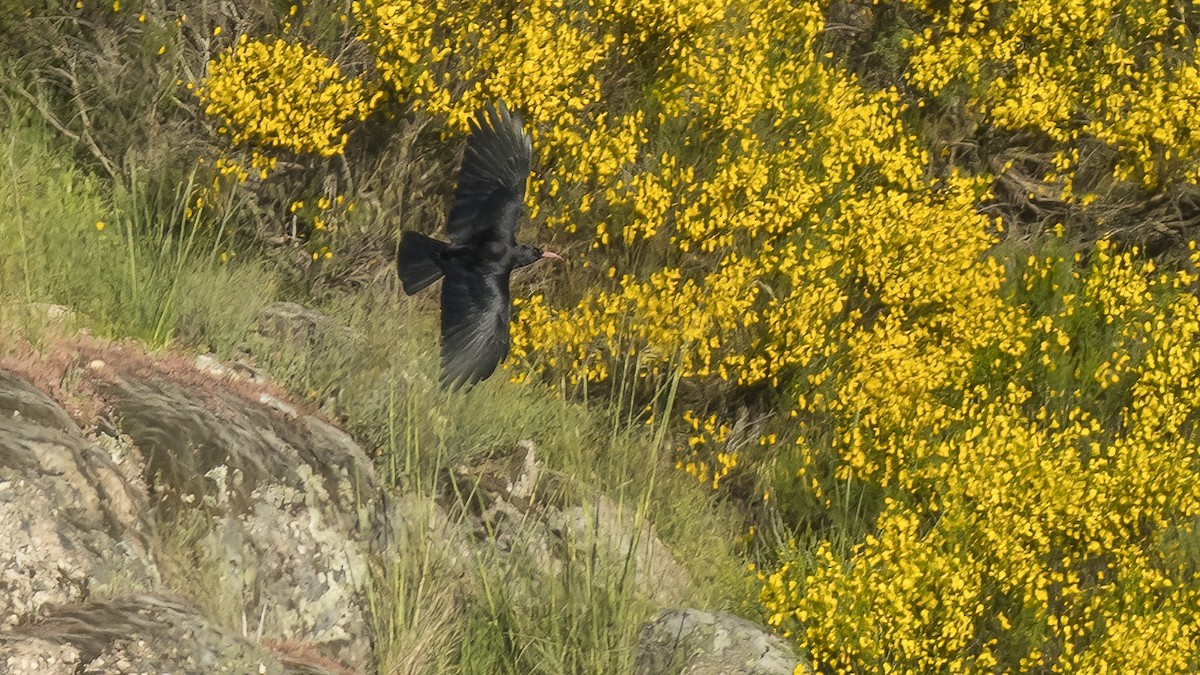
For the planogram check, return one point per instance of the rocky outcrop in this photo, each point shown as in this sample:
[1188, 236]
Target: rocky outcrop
[286, 503]
[288, 497]
[515, 504]
[695, 642]
[297, 325]
[624, 536]
[142, 633]
[72, 522]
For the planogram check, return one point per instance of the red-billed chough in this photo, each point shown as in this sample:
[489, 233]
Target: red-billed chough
[483, 249]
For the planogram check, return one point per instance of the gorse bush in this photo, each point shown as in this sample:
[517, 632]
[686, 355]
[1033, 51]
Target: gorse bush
[283, 95]
[1121, 73]
[977, 452]
[1042, 518]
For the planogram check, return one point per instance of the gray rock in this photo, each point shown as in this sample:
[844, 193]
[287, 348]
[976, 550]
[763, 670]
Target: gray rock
[623, 535]
[297, 325]
[695, 642]
[414, 522]
[54, 314]
[140, 633]
[79, 587]
[70, 522]
[23, 655]
[290, 500]
[233, 370]
[515, 505]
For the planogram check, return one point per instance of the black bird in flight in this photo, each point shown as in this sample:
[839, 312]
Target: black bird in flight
[483, 249]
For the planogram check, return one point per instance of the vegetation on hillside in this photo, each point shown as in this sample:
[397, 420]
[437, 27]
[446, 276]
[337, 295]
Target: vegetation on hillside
[920, 276]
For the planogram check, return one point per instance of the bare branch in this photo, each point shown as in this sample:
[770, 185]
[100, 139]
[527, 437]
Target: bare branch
[46, 114]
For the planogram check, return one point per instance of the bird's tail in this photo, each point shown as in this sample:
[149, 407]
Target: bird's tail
[415, 261]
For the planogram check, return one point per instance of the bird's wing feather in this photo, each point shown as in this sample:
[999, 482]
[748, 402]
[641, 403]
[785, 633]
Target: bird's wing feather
[491, 183]
[475, 324]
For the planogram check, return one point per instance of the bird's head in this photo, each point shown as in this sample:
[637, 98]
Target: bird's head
[527, 255]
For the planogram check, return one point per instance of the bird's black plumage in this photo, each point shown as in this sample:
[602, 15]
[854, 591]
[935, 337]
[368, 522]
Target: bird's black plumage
[483, 249]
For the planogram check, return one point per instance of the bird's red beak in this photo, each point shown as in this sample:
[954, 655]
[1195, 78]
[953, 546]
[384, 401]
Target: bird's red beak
[548, 254]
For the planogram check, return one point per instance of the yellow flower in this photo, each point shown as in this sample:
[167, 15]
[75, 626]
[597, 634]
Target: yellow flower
[263, 92]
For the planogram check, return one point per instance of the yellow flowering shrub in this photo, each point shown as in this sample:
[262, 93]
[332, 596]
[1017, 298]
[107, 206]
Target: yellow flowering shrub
[1123, 73]
[279, 98]
[991, 444]
[281, 95]
[1042, 519]
[441, 57]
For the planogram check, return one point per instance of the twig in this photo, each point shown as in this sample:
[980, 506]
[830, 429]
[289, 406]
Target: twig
[86, 121]
[46, 114]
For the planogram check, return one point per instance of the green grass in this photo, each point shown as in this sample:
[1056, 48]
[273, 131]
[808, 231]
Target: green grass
[131, 264]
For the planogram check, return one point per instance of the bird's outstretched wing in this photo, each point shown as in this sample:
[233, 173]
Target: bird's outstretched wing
[491, 183]
[475, 324]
